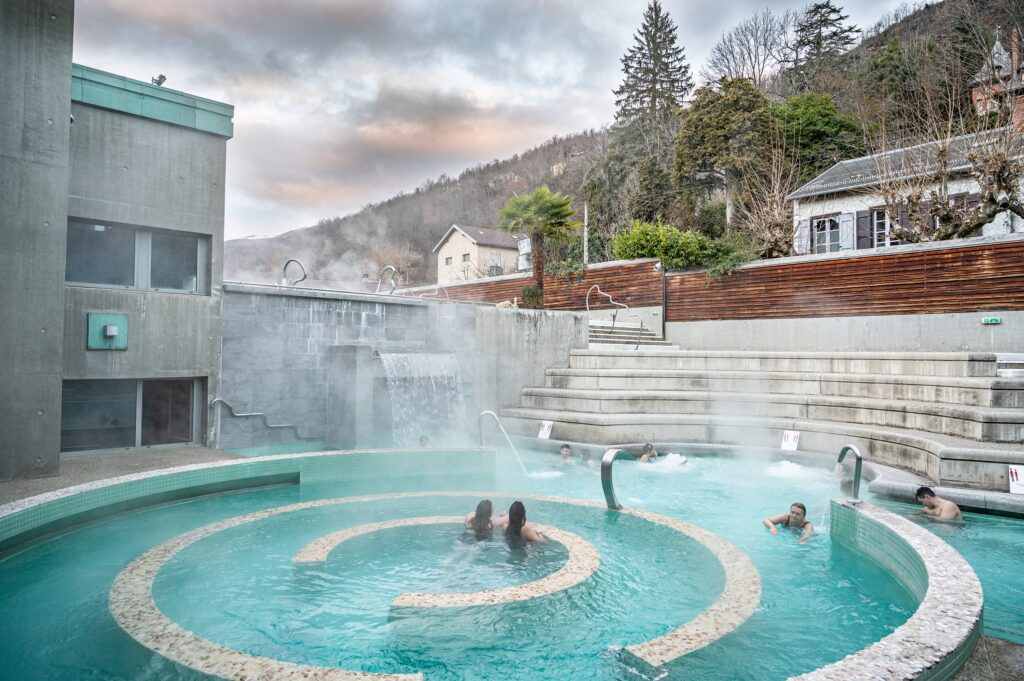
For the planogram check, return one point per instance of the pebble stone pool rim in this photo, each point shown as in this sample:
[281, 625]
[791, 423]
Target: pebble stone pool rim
[933, 643]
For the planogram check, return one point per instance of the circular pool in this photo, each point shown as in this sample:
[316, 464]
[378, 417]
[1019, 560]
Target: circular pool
[348, 579]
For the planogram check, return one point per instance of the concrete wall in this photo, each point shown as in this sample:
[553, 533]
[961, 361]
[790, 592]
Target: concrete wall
[895, 333]
[35, 79]
[138, 171]
[306, 358]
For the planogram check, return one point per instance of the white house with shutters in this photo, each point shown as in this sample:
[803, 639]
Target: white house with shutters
[843, 209]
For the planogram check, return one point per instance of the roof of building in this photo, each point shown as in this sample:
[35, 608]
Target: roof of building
[126, 95]
[898, 164]
[996, 67]
[483, 237]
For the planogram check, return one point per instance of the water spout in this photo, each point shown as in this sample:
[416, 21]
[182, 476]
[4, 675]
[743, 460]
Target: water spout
[855, 499]
[480, 428]
[607, 483]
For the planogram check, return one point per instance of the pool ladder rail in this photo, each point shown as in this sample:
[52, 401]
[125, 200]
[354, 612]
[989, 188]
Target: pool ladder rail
[618, 306]
[266, 423]
[607, 484]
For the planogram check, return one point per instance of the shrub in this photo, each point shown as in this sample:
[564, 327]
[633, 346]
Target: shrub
[677, 250]
[533, 298]
[710, 219]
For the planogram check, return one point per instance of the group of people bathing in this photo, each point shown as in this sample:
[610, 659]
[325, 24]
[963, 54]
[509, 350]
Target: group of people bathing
[935, 507]
[512, 523]
[648, 454]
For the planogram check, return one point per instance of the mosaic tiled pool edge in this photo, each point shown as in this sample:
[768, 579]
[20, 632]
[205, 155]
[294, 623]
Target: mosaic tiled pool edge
[25, 519]
[937, 639]
[135, 611]
[582, 563]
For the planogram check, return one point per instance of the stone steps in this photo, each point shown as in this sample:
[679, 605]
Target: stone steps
[964, 421]
[972, 391]
[912, 364]
[626, 335]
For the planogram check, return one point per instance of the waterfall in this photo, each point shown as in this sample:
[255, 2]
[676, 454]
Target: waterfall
[426, 396]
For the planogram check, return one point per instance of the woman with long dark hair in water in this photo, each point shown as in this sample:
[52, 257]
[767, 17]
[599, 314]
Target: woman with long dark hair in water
[480, 521]
[517, 527]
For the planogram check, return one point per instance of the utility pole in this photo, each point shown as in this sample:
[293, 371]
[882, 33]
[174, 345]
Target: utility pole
[586, 236]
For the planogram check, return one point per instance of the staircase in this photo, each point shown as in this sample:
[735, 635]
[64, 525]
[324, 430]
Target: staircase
[626, 335]
[952, 417]
[1010, 365]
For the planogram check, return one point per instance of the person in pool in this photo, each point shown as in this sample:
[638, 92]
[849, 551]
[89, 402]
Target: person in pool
[937, 507]
[648, 454]
[565, 455]
[517, 527]
[481, 521]
[795, 519]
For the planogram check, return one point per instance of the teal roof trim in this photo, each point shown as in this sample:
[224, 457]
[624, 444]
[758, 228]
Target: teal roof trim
[117, 93]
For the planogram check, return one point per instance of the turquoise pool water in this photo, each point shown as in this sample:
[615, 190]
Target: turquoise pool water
[994, 546]
[240, 588]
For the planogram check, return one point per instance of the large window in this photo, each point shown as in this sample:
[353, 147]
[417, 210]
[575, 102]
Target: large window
[825, 235]
[134, 257]
[106, 414]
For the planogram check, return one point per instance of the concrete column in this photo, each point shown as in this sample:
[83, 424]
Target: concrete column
[35, 108]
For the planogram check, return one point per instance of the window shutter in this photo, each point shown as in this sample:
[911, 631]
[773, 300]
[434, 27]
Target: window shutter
[802, 240]
[865, 239]
[846, 232]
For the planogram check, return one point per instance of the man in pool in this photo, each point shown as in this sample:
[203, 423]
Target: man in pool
[648, 454]
[937, 507]
[565, 454]
[795, 519]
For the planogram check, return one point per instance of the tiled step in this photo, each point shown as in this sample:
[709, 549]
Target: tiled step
[984, 392]
[970, 422]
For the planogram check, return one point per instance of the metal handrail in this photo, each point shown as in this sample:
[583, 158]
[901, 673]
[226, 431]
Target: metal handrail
[380, 279]
[607, 484]
[610, 300]
[480, 429]
[284, 273]
[855, 499]
[436, 287]
[266, 423]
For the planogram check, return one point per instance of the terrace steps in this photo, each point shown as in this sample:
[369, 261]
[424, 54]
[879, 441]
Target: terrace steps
[605, 334]
[948, 416]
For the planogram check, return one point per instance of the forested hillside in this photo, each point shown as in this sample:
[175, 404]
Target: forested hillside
[696, 166]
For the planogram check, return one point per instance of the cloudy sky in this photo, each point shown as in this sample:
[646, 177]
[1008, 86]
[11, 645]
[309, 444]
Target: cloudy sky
[340, 103]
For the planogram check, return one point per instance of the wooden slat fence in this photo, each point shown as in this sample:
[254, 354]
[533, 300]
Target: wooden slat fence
[959, 279]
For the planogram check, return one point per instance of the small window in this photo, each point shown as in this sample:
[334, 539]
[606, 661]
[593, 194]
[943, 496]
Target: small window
[448, 260]
[825, 235]
[100, 254]
[883, 229]
[495, 259]
[465, 257]
[174, 262]
[166, 412]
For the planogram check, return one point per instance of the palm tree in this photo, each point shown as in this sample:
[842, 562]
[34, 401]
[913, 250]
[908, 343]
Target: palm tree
[542, 215]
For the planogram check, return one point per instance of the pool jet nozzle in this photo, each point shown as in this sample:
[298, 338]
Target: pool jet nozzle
[855, 499]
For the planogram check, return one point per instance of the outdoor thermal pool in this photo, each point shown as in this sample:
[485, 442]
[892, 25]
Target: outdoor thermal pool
[217, 580]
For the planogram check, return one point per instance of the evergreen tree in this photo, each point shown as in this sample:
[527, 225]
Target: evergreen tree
[657, 77]
[654, 192]
[821, 34]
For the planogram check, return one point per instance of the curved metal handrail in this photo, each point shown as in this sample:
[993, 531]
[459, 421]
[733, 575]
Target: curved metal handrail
[607, 484]
[856, 470]
[217, 400]
[380, 279]
[610, 300]
[480, 430]
[284, 273]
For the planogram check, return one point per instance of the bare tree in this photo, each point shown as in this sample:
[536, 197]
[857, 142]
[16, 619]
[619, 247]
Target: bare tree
[765, 213]
[754, 49]
[402, 255]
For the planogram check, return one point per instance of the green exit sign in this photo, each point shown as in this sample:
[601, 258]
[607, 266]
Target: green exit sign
[991, 320]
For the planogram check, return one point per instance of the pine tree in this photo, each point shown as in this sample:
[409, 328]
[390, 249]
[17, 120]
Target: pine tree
[657, 77]
[821, 34]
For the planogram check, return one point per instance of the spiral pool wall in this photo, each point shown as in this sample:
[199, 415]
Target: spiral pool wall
[938, 638]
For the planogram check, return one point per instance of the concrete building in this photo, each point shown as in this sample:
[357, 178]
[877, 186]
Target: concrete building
[466, 253]
[112, 242]
[846, 207]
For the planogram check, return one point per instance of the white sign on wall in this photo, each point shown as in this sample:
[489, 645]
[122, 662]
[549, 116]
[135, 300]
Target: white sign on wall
[790, 440]
[1016, 476]
[545, 429]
